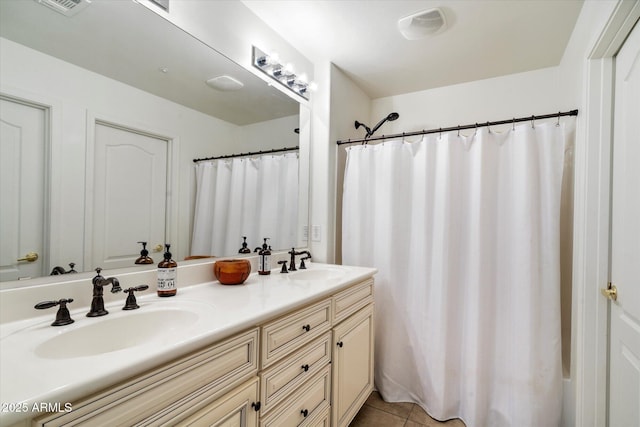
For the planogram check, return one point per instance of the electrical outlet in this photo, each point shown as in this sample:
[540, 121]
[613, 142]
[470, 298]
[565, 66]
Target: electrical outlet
[315, 233]
[305, 233]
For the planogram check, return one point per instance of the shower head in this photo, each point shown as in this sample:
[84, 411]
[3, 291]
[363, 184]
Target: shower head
[391, 117]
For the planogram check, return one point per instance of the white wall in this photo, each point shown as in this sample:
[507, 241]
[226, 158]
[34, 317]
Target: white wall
[76, 95]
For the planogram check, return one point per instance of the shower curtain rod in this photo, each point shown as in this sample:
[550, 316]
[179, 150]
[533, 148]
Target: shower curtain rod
[458, 128]
[250, 153]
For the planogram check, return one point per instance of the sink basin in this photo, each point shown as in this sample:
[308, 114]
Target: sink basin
[316, 274]
[115, 333]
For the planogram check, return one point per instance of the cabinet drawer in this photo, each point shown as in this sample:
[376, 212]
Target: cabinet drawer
[285, 376]
[287, 334]
[302, 408]
[351, 300]
[151, 396]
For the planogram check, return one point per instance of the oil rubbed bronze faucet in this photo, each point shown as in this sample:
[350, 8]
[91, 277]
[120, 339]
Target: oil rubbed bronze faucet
[292, 263]
[97, 303]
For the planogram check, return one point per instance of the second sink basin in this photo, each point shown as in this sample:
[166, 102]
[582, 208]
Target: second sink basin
[115, 333]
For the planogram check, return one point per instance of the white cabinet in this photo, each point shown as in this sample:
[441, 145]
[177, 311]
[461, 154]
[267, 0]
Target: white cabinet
[234, 409]
[353, 359]
[315, 370]
[171, 391]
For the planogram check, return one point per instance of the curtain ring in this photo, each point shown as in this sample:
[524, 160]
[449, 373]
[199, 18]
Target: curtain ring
[440, 134]
[513, 124]
[476, 131]
[488, 127]
[458, 131]
[558, 122]
[532, 122]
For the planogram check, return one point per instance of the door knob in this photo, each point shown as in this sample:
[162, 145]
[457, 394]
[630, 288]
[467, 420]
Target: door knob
[157, 248]
[611, 292]
[30, 257]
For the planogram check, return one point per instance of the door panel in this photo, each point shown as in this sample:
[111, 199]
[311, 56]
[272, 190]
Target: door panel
[624, 375]
[129, 200]
[22, 184]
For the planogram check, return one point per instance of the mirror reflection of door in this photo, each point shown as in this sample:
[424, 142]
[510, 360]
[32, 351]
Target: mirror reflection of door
[23, 133]
[129, 196]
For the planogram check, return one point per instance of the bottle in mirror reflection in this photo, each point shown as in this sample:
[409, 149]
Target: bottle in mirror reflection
[167, 275]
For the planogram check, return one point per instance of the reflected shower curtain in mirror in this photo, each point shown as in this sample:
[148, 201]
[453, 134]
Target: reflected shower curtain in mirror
[465, 234]
[255, 197]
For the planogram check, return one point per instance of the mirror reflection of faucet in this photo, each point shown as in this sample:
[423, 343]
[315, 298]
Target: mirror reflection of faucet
[97, 303]
[60, 270]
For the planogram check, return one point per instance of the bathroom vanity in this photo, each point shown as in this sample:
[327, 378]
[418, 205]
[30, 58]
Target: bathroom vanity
[280, 350]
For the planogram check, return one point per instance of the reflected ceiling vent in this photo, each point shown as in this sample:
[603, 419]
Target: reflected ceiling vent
[66, 7]
[225, 83]
[422, 24]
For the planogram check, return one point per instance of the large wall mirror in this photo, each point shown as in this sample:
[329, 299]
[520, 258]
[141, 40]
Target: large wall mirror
[117, 105]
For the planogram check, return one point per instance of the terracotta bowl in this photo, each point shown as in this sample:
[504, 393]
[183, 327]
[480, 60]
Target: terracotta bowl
[232, 271]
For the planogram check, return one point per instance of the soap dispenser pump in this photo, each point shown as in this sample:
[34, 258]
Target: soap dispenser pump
[167, 275]
[244, 249]
[144, 257]
[264, 258]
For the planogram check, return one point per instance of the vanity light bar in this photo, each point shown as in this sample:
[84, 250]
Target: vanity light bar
[282, 73]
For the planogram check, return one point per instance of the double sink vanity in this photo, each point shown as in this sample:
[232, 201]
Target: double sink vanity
[279, 350]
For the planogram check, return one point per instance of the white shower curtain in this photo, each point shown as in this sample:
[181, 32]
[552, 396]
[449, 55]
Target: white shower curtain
[256, 197]
[465, 234]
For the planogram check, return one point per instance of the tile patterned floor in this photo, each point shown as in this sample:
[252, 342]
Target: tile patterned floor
[378, 413]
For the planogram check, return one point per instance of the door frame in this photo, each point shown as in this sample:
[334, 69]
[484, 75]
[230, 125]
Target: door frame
[590, 311]
[171, 204]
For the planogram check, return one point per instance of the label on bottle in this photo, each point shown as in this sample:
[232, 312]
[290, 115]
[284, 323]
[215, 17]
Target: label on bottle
[167, 279]
[264, 263]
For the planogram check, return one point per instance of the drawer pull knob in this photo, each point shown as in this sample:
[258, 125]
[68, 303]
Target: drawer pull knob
[339, 344]
[305, 367]
[304, 412]
[307, 328]
[256, 406]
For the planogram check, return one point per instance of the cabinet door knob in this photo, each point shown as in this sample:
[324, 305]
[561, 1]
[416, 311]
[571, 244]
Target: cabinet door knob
[256, 406]
[305, 367]
[339, 344]
[304, 412]
[307, 328]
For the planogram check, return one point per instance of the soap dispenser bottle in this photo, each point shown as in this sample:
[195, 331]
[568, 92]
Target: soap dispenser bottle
[244, 249]
[264, 258]
[167, 275]
[144, 257]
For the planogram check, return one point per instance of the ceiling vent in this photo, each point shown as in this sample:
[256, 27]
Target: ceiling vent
[66, 7]
[422, 24]
[225, 83]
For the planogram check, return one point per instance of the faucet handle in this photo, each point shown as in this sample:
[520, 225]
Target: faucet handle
[284, 266]
[131, 303]
[63, 317]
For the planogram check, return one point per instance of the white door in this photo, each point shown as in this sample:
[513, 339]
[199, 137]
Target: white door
[624, 365]
[129, 196]
[22, 182]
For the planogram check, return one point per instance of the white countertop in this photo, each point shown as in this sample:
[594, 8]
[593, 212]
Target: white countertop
[29, 378]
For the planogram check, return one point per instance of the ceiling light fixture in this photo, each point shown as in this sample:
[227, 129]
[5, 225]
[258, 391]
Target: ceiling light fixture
[422, 24]
[282, 73]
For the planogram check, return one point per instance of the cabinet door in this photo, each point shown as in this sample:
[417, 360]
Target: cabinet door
[352, 365]
[231, 410]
